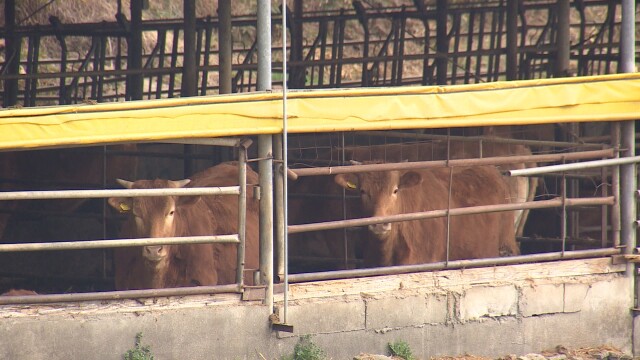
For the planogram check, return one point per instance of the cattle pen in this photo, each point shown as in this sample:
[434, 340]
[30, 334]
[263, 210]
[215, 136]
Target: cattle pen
[573, 294]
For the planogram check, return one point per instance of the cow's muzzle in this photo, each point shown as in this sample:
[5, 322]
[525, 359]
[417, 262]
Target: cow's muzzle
[154, 253]
[380, 229]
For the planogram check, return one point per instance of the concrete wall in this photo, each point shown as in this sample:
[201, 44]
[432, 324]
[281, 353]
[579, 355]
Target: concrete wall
[491, 312]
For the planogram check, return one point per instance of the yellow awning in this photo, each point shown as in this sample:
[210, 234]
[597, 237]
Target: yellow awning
[596, 98]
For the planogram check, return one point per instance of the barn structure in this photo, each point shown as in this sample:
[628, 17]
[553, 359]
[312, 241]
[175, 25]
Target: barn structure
[578, 247]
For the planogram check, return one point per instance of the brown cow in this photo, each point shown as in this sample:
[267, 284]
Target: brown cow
[169, 216]
[316, 199]
[396, 192]
[521, 189]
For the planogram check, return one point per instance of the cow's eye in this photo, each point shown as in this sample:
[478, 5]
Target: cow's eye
[395, 191]
[171, 212]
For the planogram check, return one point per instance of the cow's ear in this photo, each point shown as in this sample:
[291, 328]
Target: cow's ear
[410, 179]
[347, 181]
[121, 204]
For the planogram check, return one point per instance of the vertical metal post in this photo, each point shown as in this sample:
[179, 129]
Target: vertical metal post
[615, 185]
[628, 180]
[284, 164]
[297, 79]
[563, 51]
[265, 153]
[278, 200]
[442, 42]
[242, 212]
[189, 85]
[512, 39]
[628, 176]
[225, 40]
[189, 71]
[134, 52]
[12, 55]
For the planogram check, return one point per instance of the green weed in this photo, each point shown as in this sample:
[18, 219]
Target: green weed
[139, 352]
[305, 349]
[401, 349]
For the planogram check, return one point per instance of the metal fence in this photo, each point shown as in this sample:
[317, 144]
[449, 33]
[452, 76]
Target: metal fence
[238, 239]
[574, 209]
[436, 43]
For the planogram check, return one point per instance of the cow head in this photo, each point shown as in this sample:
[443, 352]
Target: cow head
[153, 217]
[381, 193]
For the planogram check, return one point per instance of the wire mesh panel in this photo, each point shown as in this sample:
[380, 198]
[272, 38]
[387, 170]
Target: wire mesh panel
[584, 224]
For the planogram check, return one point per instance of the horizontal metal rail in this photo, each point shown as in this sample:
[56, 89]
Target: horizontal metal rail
[232, 142]
[293, 229]
[484, 139]
[498, 160]
[119, 295]
[81, 194]
[452, 265]
[100, 244]
[575, 166]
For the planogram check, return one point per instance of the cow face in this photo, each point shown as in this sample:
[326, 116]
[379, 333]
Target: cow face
[153, 217]
[381, 193]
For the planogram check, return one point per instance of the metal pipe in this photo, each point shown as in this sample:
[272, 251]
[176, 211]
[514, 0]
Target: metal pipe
[99, 244]
[242, 214]
[266, 215]
[135, 83]
[231, 142]
[543, 204]
[490, 139]
[12, 55]
[263, 28]
[265, 151]
[615, 184]
[285, 169]
[595, 154]
[442, 42]
[628, 176]
[119, 295]
[279, 201]
[189, 64]
[563, 44]
[225, 45]
[563, 219]
[512, 39]
[92, 194]
[576, 166]
[452, 265]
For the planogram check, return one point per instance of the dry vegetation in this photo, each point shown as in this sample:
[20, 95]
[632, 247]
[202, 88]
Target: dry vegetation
[82, 11]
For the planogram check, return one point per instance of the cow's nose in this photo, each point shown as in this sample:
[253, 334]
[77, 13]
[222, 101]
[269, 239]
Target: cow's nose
[380, 229]
[153, 253]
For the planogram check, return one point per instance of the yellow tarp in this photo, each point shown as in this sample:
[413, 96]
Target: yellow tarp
[598, 98]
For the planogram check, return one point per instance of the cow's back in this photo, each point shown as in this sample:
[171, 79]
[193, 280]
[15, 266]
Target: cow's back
[483, 235]
[225, 210]
[471, 236]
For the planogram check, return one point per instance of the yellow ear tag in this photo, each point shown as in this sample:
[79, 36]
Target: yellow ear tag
[124, 207]
[351, 185]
